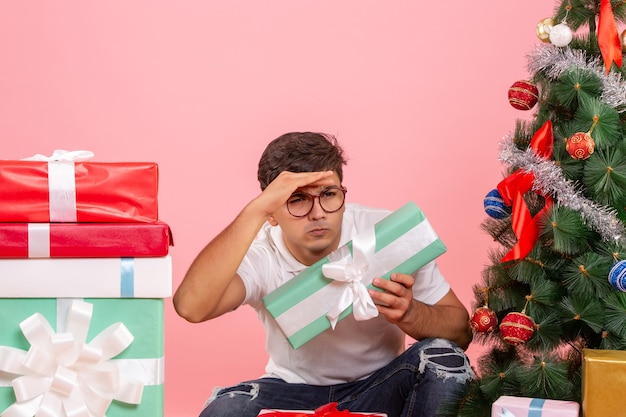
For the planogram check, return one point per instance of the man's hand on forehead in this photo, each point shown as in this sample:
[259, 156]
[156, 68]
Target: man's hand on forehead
[318, 187]
[314, 180]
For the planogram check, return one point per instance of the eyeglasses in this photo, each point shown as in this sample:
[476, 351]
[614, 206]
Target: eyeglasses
[331, 199]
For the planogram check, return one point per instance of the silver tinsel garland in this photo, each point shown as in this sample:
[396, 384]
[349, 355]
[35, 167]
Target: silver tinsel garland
[554, 61]
[549, 180]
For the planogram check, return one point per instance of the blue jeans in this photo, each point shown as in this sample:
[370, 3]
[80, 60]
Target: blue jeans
[413, 384]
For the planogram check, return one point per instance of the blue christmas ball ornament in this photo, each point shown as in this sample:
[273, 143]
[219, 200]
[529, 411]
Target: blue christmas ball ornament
[617, 276]
[495, 206]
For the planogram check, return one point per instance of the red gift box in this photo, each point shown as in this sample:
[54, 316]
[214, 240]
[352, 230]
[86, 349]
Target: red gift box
[84, 240]
[327, 410]
[65, 191]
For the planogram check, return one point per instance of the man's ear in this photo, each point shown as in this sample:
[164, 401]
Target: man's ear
[271, 220]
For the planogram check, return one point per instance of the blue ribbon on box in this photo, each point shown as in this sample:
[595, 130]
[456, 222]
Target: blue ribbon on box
[534, 409]
[536, 404]
[127, 278]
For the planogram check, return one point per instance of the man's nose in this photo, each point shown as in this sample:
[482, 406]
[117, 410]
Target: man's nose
[317, 212]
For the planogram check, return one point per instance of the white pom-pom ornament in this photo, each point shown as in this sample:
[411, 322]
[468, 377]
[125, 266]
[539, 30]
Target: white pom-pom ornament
[560, 35]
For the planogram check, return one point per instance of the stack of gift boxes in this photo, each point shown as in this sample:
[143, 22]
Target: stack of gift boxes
[84, 270]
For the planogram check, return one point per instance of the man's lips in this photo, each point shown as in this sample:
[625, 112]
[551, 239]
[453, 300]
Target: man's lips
[317, 231]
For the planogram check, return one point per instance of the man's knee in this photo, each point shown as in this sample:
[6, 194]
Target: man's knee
[445, 359]
[231, 400]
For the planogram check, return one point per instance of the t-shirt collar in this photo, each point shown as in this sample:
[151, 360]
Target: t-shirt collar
[291, 263]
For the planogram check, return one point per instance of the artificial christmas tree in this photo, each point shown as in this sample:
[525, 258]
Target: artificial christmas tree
[561, 252]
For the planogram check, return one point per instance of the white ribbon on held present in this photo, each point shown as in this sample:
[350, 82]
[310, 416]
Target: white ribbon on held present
[62, 375]
[353, 271]
[62, 182]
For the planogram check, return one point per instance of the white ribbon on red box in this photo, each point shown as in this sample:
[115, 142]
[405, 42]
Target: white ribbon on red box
[38, 240]
[62, 182]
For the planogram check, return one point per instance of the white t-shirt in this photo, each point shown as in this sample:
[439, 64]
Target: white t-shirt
[354, 349]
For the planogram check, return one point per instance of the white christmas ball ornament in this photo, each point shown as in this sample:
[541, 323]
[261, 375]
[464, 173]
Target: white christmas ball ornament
[560, 35]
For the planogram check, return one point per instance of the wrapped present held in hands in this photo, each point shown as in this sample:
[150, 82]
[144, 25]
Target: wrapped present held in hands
[336, 286]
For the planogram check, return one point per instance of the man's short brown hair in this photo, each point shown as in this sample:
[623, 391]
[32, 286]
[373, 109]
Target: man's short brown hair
[300, 152]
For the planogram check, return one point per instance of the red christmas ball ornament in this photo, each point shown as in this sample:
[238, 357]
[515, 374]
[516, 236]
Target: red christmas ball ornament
[484, 320]
[516, 328]
[523, 95]
[580, 145]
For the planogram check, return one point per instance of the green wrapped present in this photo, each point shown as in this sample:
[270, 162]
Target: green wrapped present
[336, 286]
[68, 356]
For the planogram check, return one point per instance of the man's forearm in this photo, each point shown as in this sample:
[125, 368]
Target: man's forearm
[442, 321]
[203, 292]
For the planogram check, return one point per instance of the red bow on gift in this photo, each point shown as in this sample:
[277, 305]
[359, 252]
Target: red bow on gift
[512, 189]
[330, 410]
[327, 410]
[608, 38]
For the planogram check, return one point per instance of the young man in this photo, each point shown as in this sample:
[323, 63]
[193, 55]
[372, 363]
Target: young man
[300, 217]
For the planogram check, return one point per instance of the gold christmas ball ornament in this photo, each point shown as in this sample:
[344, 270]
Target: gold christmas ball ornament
[543, 29]
[623, 40]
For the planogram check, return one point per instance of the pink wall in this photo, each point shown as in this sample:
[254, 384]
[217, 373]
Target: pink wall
[416, 92]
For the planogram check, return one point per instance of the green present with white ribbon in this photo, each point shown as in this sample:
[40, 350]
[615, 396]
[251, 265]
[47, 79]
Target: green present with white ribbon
[81, 357]
[336, 286]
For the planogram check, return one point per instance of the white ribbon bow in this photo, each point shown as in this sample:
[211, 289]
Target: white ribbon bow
[63, 376]
[352, 272]
[62, 155]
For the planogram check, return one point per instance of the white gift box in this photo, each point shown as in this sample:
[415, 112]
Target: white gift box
[149, 277]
